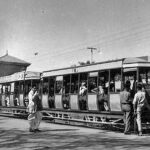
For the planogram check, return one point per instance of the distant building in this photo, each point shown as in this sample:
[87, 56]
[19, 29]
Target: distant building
[10, 65]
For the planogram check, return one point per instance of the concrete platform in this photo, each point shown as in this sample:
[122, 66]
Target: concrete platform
[14, 135]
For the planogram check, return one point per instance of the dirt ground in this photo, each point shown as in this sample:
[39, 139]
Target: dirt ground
[14, 135]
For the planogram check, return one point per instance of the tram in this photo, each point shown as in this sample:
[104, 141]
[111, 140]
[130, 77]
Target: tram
[73, 95]
[61, 90]
[14, 91]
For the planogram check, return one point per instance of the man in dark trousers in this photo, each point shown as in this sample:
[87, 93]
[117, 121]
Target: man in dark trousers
[126, 105]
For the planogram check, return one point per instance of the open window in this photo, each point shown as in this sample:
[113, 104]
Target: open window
[74, 83]
[45, 86]
[59, 85]
[92, 82]
[115, 80]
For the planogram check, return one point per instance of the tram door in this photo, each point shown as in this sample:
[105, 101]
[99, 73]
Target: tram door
[92, 91]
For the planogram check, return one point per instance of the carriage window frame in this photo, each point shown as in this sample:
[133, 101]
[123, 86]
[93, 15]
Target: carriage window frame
[115, 80]
[45, 84]
[50, 86]
[59, 85]
[92, 81]
[74, 84]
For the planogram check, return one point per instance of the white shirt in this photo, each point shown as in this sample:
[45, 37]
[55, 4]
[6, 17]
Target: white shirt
[30, 96]
[139, 99]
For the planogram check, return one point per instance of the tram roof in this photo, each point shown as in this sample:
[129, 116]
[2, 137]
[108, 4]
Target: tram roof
[20, 76]
[111, 64]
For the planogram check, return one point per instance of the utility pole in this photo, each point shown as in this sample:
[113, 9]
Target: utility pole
[92, 49]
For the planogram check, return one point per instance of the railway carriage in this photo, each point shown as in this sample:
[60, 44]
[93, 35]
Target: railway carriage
[14, 91]
[61, 92]
[62, 100]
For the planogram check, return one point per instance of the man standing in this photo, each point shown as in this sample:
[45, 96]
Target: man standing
[38, 115]
[32, 110]
[126, 105]
[138, 104]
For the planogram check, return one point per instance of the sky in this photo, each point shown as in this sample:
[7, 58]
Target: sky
[60, 32]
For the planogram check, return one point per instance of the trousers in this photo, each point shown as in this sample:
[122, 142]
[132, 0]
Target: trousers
[138, 120]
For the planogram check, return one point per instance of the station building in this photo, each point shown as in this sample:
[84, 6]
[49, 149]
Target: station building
[10, 64]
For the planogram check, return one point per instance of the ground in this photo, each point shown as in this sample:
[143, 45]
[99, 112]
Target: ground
[15, 136]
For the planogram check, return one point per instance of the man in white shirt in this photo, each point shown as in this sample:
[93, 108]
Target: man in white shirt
[32, 109]
[138, 104]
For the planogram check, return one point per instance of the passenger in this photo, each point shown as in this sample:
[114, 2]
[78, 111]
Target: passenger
[103, 100]
[138, 103]
[83, 89]
[82, 93]
[32, 109]
[98, 90]
[126, 105]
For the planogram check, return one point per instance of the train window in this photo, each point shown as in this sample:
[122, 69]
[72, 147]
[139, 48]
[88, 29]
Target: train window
[21, 87]
[59, 85]
[51, 86]
[103, 82]
[36, 83]
[66, 84]
[12, 87]
[74, 84]
[27, 87]
[115, 80]
[16, 88]
[130, 75]
[45, 86]
[83, 83]
[92, 82]
[3, 89]
[144, 75]
[7, 88]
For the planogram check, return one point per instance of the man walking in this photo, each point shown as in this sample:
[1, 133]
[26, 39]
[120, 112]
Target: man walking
[126, 105]
[31, 109]
[138, 105]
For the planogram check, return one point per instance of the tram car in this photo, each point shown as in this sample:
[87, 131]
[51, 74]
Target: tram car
[79, 95]
[75, 94]
[14, 91]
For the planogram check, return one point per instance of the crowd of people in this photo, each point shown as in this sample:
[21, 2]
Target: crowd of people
[132, 107]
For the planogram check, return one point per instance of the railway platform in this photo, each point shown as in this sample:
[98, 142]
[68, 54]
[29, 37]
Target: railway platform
[15, 136]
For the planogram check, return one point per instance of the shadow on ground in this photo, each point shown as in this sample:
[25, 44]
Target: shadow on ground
[67, 139]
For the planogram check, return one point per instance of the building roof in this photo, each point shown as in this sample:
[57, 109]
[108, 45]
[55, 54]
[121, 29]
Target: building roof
[11, 59]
